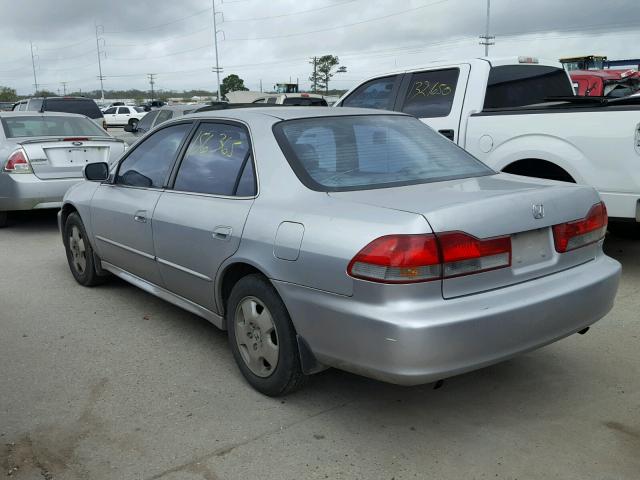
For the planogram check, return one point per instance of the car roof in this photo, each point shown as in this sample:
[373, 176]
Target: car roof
[289, 113]
[64, 98]
[41, 114]
[181, 107]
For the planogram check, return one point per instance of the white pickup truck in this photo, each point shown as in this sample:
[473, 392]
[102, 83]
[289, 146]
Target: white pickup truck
[501, 111]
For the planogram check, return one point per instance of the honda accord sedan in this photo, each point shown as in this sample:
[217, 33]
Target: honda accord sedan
[349, 238]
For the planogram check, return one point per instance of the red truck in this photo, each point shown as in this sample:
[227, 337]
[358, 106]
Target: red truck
[605, 83]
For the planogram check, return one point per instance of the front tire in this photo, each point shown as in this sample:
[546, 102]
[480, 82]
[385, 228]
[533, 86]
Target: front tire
[262, 337]
[80, 253]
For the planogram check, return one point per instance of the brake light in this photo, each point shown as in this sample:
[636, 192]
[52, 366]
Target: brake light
[421, 258]
[17, 163]
[75, 139]
[463, 254]
[580, 233]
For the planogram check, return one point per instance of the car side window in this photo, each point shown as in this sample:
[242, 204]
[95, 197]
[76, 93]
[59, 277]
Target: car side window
[110, 111]
[149, 163]
[146, 122]
[124, 110]
[378, 93]
[271, 100]
[163, 116]
[430, 94]
[215, 162]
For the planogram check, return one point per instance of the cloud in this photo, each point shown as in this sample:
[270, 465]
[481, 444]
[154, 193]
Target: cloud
[272, 41]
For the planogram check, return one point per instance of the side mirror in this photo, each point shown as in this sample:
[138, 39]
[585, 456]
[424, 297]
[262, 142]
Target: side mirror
[130, 128]
[96, 172]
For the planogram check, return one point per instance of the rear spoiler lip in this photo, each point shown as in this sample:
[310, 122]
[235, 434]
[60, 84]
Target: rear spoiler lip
[61, 139]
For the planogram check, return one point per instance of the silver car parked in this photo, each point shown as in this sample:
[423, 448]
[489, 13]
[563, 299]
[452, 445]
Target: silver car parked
[42, 155]
[350, 238]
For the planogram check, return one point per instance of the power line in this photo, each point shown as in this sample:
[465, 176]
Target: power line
[255, 19]
[289, 35]
[159, 25]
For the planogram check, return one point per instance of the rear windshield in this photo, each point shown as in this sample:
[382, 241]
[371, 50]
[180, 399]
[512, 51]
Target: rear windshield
[83, 106]
[371, 151]
[49, 127]
[519, 85]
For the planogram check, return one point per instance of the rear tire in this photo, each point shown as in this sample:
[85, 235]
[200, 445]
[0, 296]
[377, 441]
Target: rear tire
[4, 219]
[134, 123]
[80, 253]
[262, 337]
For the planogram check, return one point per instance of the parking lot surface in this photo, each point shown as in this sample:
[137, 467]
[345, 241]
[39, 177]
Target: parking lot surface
[112, 383]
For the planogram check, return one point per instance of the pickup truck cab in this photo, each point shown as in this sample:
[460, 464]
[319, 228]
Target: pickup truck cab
[503, 112]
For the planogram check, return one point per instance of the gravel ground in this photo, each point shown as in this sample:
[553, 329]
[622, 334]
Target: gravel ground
[112, 383]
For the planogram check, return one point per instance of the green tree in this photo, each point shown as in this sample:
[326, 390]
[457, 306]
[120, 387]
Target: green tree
[8, 94]
[323, 71]
[232, 83]
[44, 93]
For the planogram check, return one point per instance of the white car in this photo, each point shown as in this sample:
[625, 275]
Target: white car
[502, 112]
[123, 115]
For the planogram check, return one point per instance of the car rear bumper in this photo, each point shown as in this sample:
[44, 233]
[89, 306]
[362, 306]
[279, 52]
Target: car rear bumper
[27, 192]
[416, 342]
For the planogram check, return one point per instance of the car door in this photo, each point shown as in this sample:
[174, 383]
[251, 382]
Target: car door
[435, 96]
[122, 210]
[123, 115]
[110, 115]
[198, 222]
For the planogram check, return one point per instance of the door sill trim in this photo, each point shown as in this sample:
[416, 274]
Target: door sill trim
[166, 295]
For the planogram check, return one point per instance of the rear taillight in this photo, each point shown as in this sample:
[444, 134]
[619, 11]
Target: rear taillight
[579, 233]
[421, 258]
[17, 163]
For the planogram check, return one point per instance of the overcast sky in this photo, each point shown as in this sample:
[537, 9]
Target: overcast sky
[272, 40]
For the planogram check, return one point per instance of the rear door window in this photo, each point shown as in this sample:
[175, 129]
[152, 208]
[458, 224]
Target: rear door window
[379, 93]
[163, 116]
[123, 110]
[431, 93]
[215, 161]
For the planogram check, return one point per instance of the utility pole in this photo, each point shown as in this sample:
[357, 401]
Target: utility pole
[100, 76]
[33, 64]
[315, 73]
[217, 68]
[260, 85]
[151, 82]
[486, 38]
[64, 87]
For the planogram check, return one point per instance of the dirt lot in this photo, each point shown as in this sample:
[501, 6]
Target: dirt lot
[112, 383]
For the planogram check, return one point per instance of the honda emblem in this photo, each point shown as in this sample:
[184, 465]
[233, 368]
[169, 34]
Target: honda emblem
[538, 211]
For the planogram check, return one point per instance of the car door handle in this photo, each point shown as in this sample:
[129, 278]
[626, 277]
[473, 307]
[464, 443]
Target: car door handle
[222, 233]
[140, 216]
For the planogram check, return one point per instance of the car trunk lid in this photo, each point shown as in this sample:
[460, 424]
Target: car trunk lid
[65, 157]
[494, 206]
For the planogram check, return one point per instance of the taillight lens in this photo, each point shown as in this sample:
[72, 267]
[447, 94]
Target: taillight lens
[420, 258]
[579, 233]
[463, 254]
[398, 259]
[17, 163]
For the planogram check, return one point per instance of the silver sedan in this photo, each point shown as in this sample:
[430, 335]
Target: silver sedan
[42, 155]
[353, 239]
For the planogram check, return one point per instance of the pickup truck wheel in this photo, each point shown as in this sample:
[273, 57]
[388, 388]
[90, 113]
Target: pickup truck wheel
[80, 253]
[262, 337]
[4, 217]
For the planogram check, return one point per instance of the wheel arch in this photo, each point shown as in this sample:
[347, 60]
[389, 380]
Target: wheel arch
[228, 275]
[539, 168]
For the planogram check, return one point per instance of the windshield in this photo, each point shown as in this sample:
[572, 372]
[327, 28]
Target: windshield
[39, 126]
[372, 151]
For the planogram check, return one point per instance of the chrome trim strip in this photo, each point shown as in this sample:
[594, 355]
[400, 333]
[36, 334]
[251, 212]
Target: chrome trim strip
[166, 295]
[124, 247]
[184, 269]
